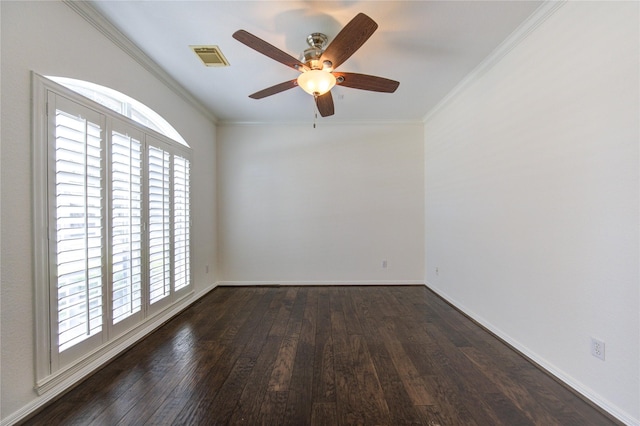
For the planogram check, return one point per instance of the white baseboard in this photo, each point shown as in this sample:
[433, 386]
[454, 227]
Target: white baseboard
[198, 294]
[63, 382]
[312, 283]
[586, 392]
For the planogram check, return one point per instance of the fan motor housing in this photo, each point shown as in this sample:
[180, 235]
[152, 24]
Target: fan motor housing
[311, 56]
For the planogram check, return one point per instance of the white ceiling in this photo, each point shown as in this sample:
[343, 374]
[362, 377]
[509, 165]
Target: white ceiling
[428, 46]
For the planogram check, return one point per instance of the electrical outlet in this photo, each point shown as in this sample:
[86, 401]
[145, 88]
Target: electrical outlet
[437, 271]
[597, 348]
[384, 264]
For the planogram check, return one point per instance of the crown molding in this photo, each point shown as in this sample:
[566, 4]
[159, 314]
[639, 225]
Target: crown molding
[320, 124]
[98, 21]
[541, 14]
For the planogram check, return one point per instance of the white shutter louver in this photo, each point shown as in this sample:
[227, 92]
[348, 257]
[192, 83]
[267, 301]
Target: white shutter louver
[181, 225]
[78, 225]
[159, 225]
[126, 250]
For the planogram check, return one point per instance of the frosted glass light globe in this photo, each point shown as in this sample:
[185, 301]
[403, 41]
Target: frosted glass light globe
[316, 82]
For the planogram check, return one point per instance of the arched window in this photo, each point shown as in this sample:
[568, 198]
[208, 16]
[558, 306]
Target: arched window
[122, 104]
[112, 210]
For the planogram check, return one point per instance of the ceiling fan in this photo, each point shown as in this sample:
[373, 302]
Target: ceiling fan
[318, 63]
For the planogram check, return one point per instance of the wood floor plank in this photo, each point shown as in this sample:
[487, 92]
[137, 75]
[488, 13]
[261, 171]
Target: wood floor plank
[234, 339]
[300, 402]
[172, 365]
[324, 414]
[407, 371]
[324, 387]
[226, 400]
[353, 326]
[254, 393]
[283, 368]
[396, 397]
[349, 410]
[400, 405]
[470, 384]
[387, 355]
[273, 408]
[250, 401]
[371, 396]
[511, 387]
[284, 312]
[430, 415]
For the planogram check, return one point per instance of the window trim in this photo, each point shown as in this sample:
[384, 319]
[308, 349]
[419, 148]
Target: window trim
[47, 375]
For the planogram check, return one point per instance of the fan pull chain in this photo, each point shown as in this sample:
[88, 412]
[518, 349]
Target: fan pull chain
[315, 110]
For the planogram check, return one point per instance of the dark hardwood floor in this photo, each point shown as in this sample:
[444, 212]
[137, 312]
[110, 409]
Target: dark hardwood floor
[320, 356]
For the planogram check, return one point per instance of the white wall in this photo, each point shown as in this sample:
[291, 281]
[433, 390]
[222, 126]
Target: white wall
[532, 196]
[325, 205]
[51, 39]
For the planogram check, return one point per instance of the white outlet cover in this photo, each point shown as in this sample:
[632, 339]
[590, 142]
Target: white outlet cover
[597, 348]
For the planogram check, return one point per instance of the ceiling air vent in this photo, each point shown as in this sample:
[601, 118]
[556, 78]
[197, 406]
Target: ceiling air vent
[211, 56]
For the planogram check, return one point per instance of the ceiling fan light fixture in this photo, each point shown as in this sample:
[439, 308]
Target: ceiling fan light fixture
[316, 82]
[317, 64]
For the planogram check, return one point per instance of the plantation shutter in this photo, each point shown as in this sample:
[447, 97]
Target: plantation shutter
[126, 222]
[78, 224]
[159, 225]
[181, 222]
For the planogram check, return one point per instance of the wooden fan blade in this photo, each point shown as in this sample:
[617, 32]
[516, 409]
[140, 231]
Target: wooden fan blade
[325, 104]
[274, 89]
[266, 49]
[350, 39]
[366, 82]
